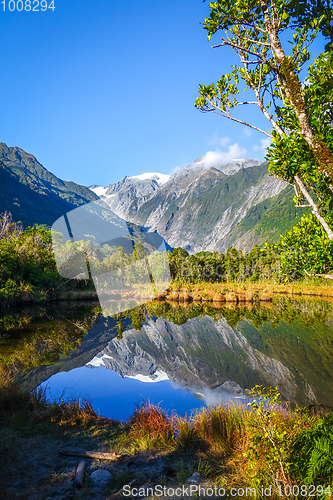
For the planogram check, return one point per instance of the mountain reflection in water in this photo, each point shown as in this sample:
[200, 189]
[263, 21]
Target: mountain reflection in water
[195, 355]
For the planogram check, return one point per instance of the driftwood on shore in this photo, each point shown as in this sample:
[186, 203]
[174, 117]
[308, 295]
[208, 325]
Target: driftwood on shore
[77, 452]
[80, 473]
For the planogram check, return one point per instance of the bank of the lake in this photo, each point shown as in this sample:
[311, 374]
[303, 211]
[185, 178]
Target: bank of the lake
[29, 274]
[247, 292]
[289, 336]
[221, 292]
[225, 447]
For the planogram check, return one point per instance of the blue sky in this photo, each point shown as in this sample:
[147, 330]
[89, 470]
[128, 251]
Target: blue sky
[99, 89]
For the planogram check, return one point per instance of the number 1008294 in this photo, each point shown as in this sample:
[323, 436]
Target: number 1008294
[27, 5]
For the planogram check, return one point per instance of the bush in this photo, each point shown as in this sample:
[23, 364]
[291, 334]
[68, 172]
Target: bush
[312, 454]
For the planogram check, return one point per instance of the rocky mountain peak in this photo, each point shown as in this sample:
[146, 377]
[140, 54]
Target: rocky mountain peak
[203, 205]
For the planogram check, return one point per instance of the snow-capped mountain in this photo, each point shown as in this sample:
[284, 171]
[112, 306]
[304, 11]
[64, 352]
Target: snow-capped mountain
[160, 179]
[207, 206]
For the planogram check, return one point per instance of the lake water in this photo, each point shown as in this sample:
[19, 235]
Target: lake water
[179, 357]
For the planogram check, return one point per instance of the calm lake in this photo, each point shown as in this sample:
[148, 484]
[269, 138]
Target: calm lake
[180, 357]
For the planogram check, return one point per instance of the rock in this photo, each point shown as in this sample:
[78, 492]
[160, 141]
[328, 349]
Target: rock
[199, 396]
[195, 478]
[100, 476]
[186, 225]
[150, 468]
[320, 410]
[157, 467]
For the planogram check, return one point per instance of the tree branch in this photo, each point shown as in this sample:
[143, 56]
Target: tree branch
[218, 111]
[292, 89]
[327, 276]
[247, 102]
[261, 104]
[243, 49]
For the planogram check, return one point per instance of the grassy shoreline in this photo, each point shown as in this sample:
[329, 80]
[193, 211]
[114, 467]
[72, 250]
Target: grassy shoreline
[226, 292]
[227, 446]
[245, 292]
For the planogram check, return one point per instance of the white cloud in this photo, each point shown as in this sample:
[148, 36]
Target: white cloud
[218, 157]
[247, 132]
[175, 170]
[219, 141]
[264, 144]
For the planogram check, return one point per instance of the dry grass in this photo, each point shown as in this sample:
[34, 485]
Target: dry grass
[225, 443]
[218, 431]
[221, 441]
[32, 431]
[74, 413]
[187, 436]
[152, 426]
[247, 292]
[221, 428]
[18, 406]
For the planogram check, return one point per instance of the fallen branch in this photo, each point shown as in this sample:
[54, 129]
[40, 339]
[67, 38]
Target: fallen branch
[77, 452]
[80, 473]
[327, 276]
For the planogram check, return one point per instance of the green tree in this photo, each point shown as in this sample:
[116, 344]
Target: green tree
[256, 30]
[305, 249]
[306, 10]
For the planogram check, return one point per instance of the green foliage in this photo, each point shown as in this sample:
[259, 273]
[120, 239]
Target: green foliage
[233, 266]
[247, 25]
[32, 193]
[26, 263]
[289, 154]
[27, 267]
[312, 454]
[271, 435]
[304, 12]
[300, 115]
[306, 247]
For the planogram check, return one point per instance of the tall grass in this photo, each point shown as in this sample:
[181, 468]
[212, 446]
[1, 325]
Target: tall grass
[234, 445]
[221, 427]
[20, 407]
[150, 426]
[218, 429]
[237, 446]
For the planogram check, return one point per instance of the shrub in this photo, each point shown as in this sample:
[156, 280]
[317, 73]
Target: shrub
[312, 454]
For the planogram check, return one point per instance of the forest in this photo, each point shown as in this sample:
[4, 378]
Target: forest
[28, 270]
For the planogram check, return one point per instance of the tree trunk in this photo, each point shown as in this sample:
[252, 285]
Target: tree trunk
[293, 90]
[314, 207]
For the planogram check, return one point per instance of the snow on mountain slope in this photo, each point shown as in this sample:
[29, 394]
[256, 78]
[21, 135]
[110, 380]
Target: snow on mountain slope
[159, 178]
[139, 186]
[199, 207]
[99, 190]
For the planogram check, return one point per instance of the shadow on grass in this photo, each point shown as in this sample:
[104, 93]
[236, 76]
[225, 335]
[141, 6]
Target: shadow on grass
[32, 432]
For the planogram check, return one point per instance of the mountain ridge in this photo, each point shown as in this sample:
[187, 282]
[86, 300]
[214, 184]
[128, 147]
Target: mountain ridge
[200, 207]
[32, 193]
[209, 207]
